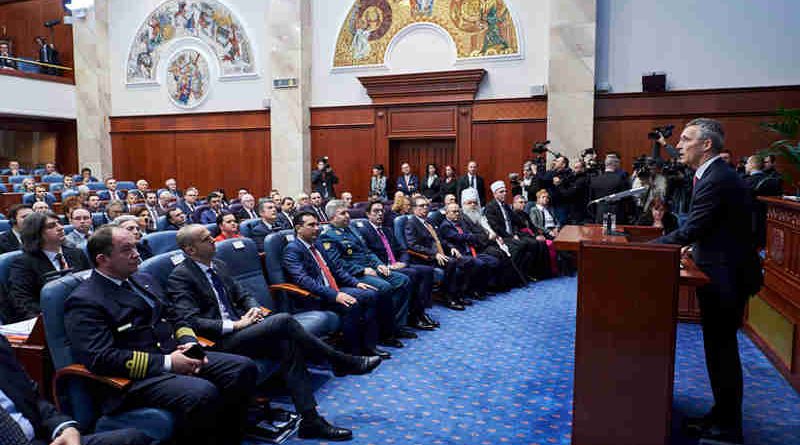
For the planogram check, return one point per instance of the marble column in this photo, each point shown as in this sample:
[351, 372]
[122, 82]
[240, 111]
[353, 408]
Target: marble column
[570, 95]
[289, 30]
[93, 89]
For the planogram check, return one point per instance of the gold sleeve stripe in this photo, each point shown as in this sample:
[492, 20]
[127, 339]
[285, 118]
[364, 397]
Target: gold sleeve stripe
[181, 332]
[137, 365]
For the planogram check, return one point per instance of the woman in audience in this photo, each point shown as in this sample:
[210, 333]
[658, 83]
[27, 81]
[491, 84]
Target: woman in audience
[28, 185]
[659, 215]
[302, 200]
[131, 224]
[86, 176]
[449, 182]
[402, 205]
[377, 183]
[228, 226]
[431, 184]
[142, 218]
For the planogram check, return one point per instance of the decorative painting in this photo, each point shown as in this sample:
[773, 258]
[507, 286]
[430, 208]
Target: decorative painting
[479, 28]
[187, 78]
[207, 20]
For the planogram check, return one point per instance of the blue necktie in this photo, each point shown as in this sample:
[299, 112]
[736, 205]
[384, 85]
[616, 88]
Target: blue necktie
[10, 431]
[223, 296]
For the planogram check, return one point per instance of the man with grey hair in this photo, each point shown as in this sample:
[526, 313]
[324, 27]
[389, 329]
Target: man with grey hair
[720, 229]
[165, 199]
[172, 188]
[248, 211]
[607, 183]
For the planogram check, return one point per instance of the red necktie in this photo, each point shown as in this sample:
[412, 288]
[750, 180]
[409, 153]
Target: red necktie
[386, 246]
[324, 268]
[694, 183]
[62, 261]
[471, 249]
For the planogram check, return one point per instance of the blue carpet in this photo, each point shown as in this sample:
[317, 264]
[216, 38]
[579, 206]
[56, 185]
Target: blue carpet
[501, 372]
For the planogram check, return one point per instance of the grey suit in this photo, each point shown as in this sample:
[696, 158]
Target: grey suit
[76, 240]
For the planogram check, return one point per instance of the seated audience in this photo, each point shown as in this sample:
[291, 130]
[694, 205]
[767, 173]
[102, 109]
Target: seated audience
[12, 239]
[343, 245]
[131, 201]
[142, 219]
[309, 267]
[28, 185]
[223, 199]
[172, 187]
[189, 202]
[347, 197]
[659, 215]
[209, 215]
[316, 207]
[275, 195]
[438, 216]
[112, 212]
[113, 193]
[269, 223]
[40, 207]
[286, 211]
[543, 217]
[81, 221]
[303, 200]
[175, 218]
[44, 258]
[142, 186]
[151, 204]
[68, 184]
[206, 396]
[86, 175]
[248, 211]
[228, 226]
[165, 200]
[30, 419]
[401, 206]
[41, 194]
[93, 204]
[377, 182]
[133, 224]
[529, 228]
[50, 170]
[206, 294]
[382, 243]
[5, 62]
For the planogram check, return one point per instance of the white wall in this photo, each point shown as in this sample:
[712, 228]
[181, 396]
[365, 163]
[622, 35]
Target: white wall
[29, 97]
[126, 18]
[699, 44]
[426, 50]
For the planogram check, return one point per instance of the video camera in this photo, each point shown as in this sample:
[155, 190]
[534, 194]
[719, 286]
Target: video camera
[657, 132]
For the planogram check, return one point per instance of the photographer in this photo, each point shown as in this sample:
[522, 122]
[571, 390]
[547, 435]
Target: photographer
[575, 194]
[323, 179]
[591, 165]
[556, 181]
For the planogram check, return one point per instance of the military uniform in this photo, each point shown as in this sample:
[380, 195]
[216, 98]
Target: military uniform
[346, 246]
[126, 329]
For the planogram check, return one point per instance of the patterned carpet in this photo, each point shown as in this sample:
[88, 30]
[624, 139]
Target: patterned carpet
[501, 372]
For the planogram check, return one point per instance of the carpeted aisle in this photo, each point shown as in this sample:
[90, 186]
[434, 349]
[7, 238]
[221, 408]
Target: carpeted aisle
[501, 372]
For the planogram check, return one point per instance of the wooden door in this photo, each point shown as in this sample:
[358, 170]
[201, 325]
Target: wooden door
[419, 153]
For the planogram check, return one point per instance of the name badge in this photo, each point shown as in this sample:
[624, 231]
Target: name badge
[124, 327]
[177, 259]
[238, 245]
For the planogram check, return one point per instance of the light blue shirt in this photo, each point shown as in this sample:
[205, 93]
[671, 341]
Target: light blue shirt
[25, 424]
[227, 322]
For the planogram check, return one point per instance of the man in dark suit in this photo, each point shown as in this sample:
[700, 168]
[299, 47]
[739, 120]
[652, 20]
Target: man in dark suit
[383, 244]
[44, 258]
[175, 219]
[760, 184]
[407, 182]
[472, 180]
[220, 309]
[462, 243]
[249, 210]
[26, 418]
[268, 224]
[165, 202]
[608, 183]
[316, 206]
[719, 227]
[151, 204]
[172, 187]
[287, 211]
[189, 203]
[113, 193]
[120, 324]
[11, 240]
[308, 266]
[209, 215]
[423, 240]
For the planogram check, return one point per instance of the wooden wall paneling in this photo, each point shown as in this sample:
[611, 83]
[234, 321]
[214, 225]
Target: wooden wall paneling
[510, 110]
[502, 148]
[151, 156]
[381, 133]
[222, 121]
[342, 117]
[418, 122]
[351, 155]
[419, 153]
[67, 148]
[464, 137]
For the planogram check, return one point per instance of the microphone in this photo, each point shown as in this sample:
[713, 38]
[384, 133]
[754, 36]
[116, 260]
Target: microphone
[621, 195]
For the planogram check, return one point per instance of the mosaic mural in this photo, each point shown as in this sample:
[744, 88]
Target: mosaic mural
[479, 28]
[187, 78]
[208, 20]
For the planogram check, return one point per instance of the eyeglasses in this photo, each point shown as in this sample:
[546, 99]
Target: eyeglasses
[377, 211]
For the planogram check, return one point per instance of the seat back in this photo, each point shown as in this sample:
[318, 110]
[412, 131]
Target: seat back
[6, 260]
[28, 198]
[160, 266]
[241, 256]
[52, 179]
[68, 193]
[235, 208]
[104, 195]
[17, 188]
[161, 242]
[161, 223]
[199, 211]
[357, 213]
[213, 229]
[126, 185]
[18, 179]
[98, 218]
[56, 186]
[3, 188]
[68, 229]
[5, 225]
[400, 230]
[246, 227]
[96, 186]
[274, 244]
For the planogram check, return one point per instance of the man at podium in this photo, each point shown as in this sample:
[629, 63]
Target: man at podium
[720, 230]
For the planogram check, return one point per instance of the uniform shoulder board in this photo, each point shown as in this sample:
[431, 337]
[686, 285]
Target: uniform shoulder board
[326, 246]
[359, 224]
[338, 231]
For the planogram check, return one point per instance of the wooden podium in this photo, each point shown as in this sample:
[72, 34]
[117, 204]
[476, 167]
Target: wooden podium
[625, 335]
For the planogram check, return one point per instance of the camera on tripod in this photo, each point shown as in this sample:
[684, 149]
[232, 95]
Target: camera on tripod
[657, 132]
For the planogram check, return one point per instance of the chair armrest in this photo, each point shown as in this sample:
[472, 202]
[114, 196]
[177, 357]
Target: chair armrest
[293, 289]
[419, 255]
[204, 342]
[75, 370]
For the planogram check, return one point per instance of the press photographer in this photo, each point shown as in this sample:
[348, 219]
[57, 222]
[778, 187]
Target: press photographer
[323, 179]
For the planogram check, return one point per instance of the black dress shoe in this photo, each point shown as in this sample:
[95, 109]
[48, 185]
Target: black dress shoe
[427, 319]
[421, 325]
[359, 365]
[391, 342]
[717, 435]
[384, 355]
[453, 304]
[695, 426]
[405, 333]
[478, 296]
[465, 302]
[319, 428]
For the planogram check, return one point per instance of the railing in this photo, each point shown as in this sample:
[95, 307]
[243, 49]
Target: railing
[18, 72]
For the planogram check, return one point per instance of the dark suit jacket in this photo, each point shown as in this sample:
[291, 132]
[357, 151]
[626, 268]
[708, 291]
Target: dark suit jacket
[181, 204]
[16, 384]
[374, 243]
[606, 184]
[193, 297]
[208, 217]
[302, 270]
[28, 275]
[119, 194]
[496, 221]
[315, 211]
[286, 221]
[418, 238]
[243, 215]
[463, 184]
[8, 242]
[434, 192]
[407, 187]
[451, 239]
[115, 332]
[448, 188]
[719, 226]
[260, 230]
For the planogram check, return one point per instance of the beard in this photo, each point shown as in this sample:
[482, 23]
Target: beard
[472, 214]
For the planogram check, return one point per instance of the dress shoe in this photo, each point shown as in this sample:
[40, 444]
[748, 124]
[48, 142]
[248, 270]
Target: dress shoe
[478, 296]
[421, 325]
[319, 428]
[695, 426]
[357, 366]
[428, 319]
[717, 435]
[384, 355]
[455, 305]
[465, 301]
[405, 333]
[391, 342]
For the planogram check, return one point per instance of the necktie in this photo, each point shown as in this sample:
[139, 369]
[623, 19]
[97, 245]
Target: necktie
[386, 246]
[472, 182]
[471, 249]
[439, 248]
[505, 218]
[62, 262]
[694, 182]
[223, 296]
[10, 431]
[321, 214]
[127, 285]
[324, 268]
